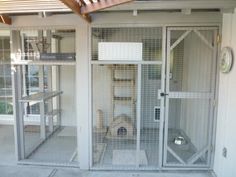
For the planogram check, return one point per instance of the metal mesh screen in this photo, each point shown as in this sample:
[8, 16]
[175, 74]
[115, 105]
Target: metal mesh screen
[149, 128]
[190, 83]
[5, 74]
[114, 114]
[47, 98]
[59, 145]
[125, 130]
[151, 39]
[191, 61]
[7, 148]
[190, 103]
[114, 111]
[193, 126]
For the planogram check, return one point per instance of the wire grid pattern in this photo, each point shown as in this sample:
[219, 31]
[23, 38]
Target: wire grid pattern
[60, 144]
[191, 71]
[151, 39]
[193, 125]
[59, 147]
[5, 73]
[192, 51]
[31, 80]
[30, 51]
[114, 112]
[114, 102]
[114, 98]
[149, 129]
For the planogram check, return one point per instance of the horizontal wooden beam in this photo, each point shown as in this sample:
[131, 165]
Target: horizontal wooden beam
[76, 8]
[5, 19]
[103, 4]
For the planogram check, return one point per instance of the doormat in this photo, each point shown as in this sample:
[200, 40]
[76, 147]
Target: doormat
[68, 131]
[128, 157]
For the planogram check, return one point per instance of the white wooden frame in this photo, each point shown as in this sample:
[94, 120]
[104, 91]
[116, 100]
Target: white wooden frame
[138, 106]
[16, 82]
[163, 121]
[175, 23]
[187, 95]
[28, 23]
[7, 119]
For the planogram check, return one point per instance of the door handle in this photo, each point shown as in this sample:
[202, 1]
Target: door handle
[162, 94]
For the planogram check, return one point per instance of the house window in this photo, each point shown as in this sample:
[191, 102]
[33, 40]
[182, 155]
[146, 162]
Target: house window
[32, 85]
[5, 74]
[30, 39]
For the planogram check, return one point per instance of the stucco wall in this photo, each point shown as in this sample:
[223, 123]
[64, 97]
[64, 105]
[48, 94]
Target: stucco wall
[226, 121]
[67, 76]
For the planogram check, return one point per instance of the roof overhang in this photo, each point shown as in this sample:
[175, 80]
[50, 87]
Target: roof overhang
[175, 4]
[84, 7]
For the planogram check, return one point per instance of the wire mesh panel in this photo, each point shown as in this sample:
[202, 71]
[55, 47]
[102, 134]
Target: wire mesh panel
[191, 87]
[126, 111]
[188, 136]
[188, 52]
[150, 40]
[114, 115]
[7, 151]
[46, 101]
[5, 74]
[59, 143]
[150, 115]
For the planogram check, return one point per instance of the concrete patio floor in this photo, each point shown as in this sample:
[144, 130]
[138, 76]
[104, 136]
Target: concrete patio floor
[38, 171]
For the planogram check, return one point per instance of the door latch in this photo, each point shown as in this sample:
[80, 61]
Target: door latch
[162, 94]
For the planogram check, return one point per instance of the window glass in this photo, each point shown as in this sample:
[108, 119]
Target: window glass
[5, 74]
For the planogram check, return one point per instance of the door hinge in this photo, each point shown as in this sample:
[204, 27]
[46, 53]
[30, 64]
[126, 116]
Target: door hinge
[218, 39]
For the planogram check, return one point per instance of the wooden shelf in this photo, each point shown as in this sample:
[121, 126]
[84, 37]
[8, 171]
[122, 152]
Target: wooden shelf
[44, 62]
[40, 96]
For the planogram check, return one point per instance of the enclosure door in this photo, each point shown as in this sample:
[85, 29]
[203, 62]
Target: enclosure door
[190, 91]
